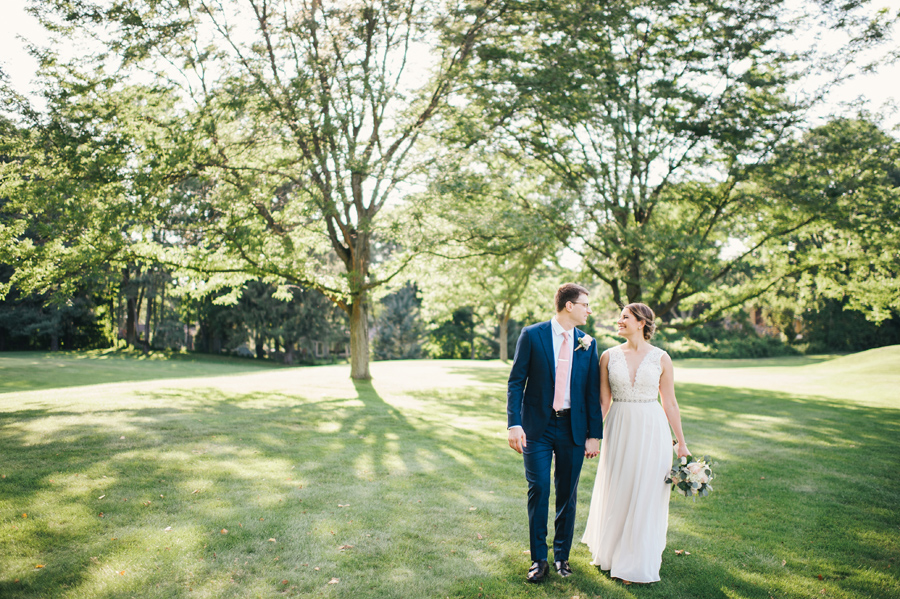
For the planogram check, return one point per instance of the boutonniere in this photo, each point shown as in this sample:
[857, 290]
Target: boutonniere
[584, 343]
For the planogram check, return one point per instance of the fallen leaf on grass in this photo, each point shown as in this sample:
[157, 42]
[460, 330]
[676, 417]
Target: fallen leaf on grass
[100, 514]
[820, 577]
[168, 528]
[334, 581]
[122, 573]
[272, 541]
[343, 505]
[682, 552]
[284, 581]
[24, 515]
[224, 531]
[342, 547]
[101, 497]
[195, 491]
[472, 509]
[39, 566]
[480, 537]
[784, 562]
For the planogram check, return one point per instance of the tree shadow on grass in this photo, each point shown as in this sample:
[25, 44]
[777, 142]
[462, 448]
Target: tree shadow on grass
[313, 475]
[420, 501]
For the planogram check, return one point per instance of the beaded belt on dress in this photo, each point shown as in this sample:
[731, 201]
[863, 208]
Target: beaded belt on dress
[623, 400]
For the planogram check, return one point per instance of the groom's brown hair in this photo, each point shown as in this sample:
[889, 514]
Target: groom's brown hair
[568, 292]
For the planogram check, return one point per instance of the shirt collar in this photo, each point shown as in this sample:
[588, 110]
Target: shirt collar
[558, 328]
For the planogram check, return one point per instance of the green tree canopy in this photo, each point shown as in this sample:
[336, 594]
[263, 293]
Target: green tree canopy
[653, 113]
[296, 123]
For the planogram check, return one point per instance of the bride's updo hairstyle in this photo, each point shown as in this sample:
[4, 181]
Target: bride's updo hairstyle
[643, 313]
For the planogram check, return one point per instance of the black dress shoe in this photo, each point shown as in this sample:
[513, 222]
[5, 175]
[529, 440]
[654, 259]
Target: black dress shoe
[563, 568]
[538, 571]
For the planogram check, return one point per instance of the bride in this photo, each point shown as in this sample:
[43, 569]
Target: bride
[626, 527]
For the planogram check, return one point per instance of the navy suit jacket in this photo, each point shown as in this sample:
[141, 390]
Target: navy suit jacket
[529, 397]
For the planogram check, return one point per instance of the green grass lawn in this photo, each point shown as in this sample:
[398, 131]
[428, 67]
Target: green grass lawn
[127, 477]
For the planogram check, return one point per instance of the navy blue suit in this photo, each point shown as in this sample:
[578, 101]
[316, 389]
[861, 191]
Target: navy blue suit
[529, 404]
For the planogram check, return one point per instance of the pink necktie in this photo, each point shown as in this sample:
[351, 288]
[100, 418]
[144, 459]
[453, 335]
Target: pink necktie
[562, 373]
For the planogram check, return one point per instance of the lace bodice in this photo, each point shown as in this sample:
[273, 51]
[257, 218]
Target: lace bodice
[646, 379]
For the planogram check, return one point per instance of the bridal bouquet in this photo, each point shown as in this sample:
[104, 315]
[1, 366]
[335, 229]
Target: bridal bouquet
[690, 476]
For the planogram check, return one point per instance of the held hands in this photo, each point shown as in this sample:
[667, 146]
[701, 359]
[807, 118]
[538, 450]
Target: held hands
[681, 449]
[591, 448]
[517, 438]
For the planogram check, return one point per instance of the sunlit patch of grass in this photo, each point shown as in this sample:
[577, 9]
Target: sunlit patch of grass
[220, 483]
[31, 371]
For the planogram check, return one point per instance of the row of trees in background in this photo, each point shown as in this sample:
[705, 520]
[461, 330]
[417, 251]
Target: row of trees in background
[277, 172]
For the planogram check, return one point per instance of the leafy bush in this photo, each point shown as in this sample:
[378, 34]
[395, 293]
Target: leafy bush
[832, 328]
[723, 339]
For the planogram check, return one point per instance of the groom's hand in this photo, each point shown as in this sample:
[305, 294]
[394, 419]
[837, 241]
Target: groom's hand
[517, 438]
[591, 448]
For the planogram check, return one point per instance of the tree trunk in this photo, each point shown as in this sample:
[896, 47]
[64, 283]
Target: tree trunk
[504, 336]
[151, 304]
[137, 310]
[633, 287]
[129, 308]
[359, 339]
[260, 348]
[130, 335]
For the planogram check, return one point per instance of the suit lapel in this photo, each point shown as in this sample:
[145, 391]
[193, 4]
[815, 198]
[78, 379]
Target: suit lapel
[547, 340]
[576, 362]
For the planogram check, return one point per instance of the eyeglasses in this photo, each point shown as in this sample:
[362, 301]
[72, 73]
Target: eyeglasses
[585, 304]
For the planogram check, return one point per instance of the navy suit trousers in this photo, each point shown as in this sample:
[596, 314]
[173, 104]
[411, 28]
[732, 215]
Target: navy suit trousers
[556, 441]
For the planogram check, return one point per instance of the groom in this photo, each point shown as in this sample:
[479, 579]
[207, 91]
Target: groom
[553, 409]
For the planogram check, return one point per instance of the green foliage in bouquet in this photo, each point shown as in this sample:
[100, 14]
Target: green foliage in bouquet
[691, 477]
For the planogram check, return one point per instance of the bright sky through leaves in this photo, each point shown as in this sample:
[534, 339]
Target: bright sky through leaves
[20, 67]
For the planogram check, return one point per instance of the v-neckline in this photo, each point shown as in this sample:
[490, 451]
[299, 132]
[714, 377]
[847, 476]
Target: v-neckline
[637, 370]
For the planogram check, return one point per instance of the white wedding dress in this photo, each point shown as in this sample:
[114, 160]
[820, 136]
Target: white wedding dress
[628, 519]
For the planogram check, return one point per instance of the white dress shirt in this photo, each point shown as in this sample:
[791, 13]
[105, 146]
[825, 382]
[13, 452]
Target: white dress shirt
[557, 344]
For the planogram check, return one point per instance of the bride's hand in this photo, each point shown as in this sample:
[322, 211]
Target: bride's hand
[682, 450]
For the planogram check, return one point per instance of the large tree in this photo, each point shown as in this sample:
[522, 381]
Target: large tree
[653, 113]
[69, 179]
[299, 121]
[846, 174]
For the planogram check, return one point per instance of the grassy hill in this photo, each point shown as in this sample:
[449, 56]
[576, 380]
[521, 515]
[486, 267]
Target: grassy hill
[870, 377]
